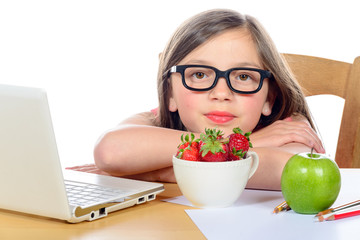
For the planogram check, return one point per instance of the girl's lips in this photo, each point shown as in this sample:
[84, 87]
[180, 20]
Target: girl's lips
[220, 117]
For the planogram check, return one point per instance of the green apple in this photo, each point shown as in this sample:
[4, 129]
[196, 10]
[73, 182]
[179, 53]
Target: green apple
[310, 182]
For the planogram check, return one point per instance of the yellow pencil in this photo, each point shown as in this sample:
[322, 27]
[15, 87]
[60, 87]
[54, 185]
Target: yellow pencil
[281, 207]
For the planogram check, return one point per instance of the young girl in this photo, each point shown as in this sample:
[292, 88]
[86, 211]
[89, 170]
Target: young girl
[219, 69]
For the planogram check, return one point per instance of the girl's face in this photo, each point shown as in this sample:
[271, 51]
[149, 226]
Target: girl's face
[221, 107]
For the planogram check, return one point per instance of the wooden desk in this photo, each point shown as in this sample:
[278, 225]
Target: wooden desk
[163, 220]
[152, 220]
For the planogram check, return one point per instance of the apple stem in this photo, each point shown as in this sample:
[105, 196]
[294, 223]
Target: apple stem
[312, 150]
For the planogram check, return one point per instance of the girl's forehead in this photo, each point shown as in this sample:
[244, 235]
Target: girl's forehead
[233, 48]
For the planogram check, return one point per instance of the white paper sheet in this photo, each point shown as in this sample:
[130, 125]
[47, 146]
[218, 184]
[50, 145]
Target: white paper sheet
[251, 217]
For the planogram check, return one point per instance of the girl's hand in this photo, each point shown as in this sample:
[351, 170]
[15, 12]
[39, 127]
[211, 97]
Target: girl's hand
[294, 129]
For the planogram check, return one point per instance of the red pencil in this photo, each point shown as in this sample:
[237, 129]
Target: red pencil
[342, 215]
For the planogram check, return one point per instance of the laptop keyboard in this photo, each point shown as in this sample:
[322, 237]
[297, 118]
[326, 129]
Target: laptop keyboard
[83, 194]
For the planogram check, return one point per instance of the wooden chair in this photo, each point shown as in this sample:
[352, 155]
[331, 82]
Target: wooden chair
[325, 76]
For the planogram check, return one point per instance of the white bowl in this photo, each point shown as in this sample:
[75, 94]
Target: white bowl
[214, 184]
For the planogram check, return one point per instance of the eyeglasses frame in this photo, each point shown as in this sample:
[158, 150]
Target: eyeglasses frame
[220, 74]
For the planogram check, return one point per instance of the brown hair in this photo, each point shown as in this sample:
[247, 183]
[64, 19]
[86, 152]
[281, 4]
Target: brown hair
[284, 89]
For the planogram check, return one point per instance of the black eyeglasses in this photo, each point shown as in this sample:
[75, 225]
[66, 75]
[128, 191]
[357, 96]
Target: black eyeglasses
[204, 78]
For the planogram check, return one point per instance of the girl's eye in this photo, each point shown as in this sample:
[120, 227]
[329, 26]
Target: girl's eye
[199, 75]
[243, 77]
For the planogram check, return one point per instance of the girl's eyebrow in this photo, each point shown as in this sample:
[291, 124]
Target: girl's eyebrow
[249, 64]
[240, 64]
[196, 62]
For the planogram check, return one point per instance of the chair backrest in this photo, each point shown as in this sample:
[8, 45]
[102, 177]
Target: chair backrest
[325, 76]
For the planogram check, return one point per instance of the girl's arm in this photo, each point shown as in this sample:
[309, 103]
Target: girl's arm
[295, 129]
[137, 149]
[275, 144]
[271, 163]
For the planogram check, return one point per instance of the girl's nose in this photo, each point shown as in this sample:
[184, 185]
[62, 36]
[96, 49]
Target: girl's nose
[221, 91]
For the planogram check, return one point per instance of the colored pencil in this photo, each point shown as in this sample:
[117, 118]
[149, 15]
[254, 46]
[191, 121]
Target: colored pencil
[281, 207]
[339, 216]
[342, 207]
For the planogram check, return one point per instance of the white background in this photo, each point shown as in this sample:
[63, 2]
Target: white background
[98, 59]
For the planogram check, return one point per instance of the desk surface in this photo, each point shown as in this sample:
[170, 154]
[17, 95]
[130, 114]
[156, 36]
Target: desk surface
[163, 220]
[152, 220]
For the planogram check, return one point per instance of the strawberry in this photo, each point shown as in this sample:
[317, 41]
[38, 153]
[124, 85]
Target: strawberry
[189, 148]
[213, 147]
[239, 144]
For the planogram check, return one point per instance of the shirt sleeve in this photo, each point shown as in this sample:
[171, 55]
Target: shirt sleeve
[155, 111]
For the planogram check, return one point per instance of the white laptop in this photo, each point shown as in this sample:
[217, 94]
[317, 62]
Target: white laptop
[31, 176]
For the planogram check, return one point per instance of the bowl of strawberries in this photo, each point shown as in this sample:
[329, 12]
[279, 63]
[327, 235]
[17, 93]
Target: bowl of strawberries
[212, 171]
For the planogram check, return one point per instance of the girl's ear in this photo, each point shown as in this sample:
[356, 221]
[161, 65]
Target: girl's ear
[172, 105]
[268, 105]
[266, 111]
